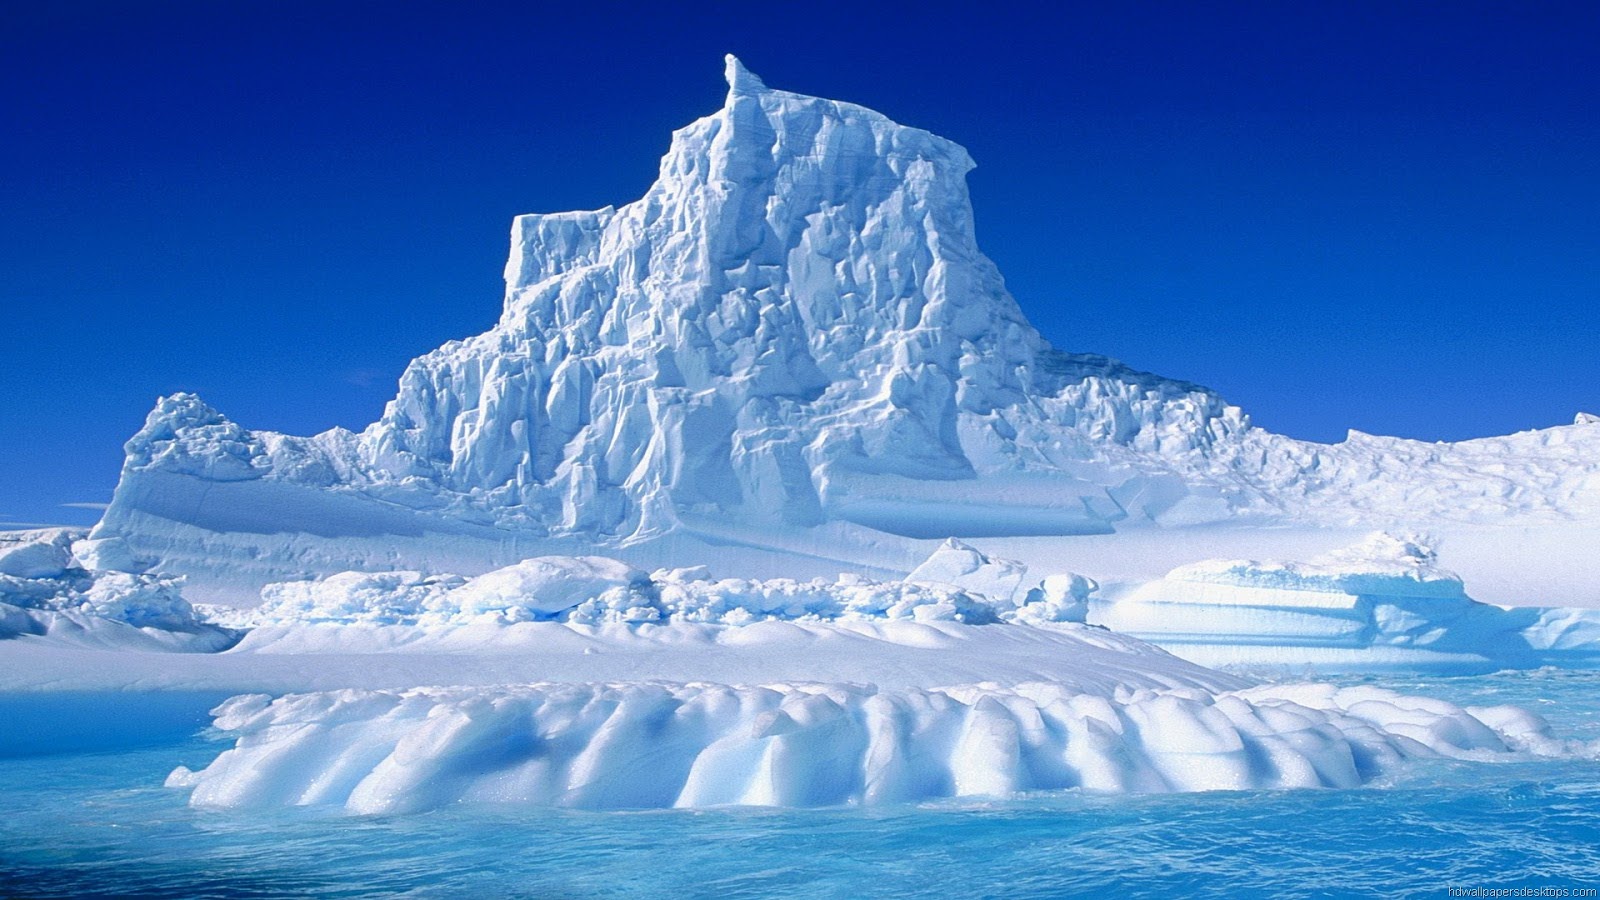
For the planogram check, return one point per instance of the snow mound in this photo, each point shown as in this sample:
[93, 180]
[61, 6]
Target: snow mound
[1383, 564]
[46, 553]
[605, 746]
[46, 592]
[963, 566]
[737, 601]
[1062, 597]
[1382, 603]
[596, 590]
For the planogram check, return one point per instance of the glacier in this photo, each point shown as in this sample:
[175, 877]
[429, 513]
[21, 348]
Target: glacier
[792, 353]
[763, 491]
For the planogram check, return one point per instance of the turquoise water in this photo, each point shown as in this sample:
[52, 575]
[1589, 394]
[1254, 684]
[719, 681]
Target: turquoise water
[96, 822]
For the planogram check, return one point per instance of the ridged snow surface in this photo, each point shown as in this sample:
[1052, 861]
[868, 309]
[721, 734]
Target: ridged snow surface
[701, 745]
[793, 332]
[1384, 603]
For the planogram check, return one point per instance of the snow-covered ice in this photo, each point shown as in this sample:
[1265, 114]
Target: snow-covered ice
[699, 745]
[46, 591]
[1382, 603]
[791, 355]
[596, 590]
[763, 490]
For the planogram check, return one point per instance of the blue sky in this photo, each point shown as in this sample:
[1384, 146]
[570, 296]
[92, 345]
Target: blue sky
[1376, 216]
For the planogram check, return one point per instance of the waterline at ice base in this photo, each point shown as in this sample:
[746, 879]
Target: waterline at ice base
[763, 492]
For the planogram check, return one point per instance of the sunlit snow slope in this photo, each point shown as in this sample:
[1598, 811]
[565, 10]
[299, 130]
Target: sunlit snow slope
[789, 354]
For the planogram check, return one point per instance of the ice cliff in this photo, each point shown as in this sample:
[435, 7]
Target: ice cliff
[793, 332]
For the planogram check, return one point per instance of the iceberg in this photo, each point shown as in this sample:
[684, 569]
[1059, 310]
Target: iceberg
[790, 355]
[790, 360]
[640, 745]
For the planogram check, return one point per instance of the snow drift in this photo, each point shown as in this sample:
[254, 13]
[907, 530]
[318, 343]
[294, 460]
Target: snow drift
[790, 349]
[1383, 603]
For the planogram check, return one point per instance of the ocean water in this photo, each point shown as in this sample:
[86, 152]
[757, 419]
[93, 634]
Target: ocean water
[92, 820]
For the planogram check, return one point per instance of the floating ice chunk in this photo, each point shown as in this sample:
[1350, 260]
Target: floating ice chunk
[1383, 564]
[699, 745]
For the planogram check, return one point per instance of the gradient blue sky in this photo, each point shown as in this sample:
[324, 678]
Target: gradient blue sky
[1376, 216]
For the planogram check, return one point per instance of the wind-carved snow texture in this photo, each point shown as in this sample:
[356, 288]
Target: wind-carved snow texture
[1384, 603]
[795, 333]
[586, 745]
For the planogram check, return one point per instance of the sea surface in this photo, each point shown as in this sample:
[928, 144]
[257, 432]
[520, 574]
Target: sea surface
[83, 814]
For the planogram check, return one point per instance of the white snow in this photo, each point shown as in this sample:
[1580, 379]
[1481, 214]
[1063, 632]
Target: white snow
[45, 593]
[595, 590]
[1059, 598]
[790, 357]
[547, 585]
[44, 553]
[790, 360]
[560, 677]
[609, 746]
[962, 565]
[1382, 603]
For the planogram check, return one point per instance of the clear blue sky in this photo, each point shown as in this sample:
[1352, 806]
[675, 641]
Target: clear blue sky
[1381, 216]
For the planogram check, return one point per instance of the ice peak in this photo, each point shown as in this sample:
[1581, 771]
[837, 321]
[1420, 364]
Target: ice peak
[740, 79]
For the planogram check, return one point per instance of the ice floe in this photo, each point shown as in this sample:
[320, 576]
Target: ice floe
[607, 746]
